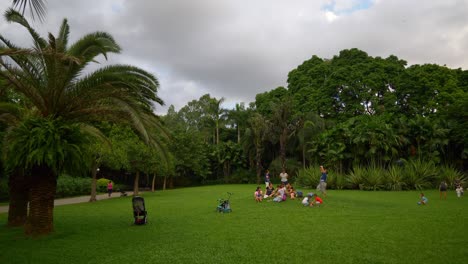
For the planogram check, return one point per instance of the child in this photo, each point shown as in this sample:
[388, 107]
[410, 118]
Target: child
[443, 190]
[459, 190]
[292, 193]
[269, 191]
[258, 194]
[317, 201]
[280, 194]
[307, 199]
[423, 200]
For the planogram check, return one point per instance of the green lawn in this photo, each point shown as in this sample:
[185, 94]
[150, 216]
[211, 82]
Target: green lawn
[351, 227]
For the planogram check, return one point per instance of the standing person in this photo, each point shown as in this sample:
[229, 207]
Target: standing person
[322, 186]
[109, 188]
[443, 190]
[267, 178]
[284, 177]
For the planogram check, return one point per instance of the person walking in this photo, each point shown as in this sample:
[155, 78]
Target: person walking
[322, 186]
[109, 188]
[443, 190]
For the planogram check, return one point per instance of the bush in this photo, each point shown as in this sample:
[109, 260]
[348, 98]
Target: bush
[308, 177]
[244, 176]
[70, 186]
[420, 174]
[451, 175]
[356, 177]
[336, 180]
[373, 178]
[292, 168]
[101, 185]
[394, 179]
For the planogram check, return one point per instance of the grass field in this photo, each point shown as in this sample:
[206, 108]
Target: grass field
[351, 227]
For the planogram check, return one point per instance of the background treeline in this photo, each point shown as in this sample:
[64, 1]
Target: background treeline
[352, 113]
[375, 123]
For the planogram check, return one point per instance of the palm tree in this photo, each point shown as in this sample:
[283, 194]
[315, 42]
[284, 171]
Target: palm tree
[283, 125]
[37, 7]
[67, 103]
[258, 131]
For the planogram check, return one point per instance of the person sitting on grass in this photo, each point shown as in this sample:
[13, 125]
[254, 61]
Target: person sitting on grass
[317, 201]
[280, 194]
[292, 193]
[269, 191]
[459, 190]
[423, 200]
[307, 199]
[258, 194]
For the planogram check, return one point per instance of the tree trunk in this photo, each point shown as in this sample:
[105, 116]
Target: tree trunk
[164, 184]
[135, 183]
[259, 165]
[41, 208]
[19, 197]
[282, 142]
[171, 182]
[303, 157]
[153, 183]
[238, 134]
[94, 183]
[217, 132]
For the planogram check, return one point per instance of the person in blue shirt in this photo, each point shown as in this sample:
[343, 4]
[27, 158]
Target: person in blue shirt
[267, 178]
[322, 186]
[423, 200]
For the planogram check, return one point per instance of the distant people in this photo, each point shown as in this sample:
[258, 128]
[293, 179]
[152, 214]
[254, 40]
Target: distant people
[322, 186]
[267, 178]
[269, 191]
[292, 193]
[258, 194]
[459, 190]
[110, 187]
[423, 200]
[443, 190]
[284, 177]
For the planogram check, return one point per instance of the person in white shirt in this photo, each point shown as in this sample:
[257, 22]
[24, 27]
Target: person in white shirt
[284, 177]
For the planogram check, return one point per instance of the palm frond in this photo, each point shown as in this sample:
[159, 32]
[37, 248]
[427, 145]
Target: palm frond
[37, 8]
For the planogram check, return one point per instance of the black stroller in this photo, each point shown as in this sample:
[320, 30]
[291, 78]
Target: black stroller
[139, 210]
[224, 206]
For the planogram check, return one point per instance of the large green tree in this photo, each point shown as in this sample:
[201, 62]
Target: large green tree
[67, 102]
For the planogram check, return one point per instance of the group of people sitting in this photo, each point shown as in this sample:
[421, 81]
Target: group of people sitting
[281, 193]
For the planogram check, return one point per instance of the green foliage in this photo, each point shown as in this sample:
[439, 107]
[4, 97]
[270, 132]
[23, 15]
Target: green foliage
[68, 186]
[420, 174]
[336, 180]
[394, 178]
[51, 142]
[356, 177]
[308, 177]
[451, 176]
[101, 184]
[373, 178]
[292, 167]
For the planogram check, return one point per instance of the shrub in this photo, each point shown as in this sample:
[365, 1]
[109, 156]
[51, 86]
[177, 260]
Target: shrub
[292, 168]
[373, 178]
[419, 174]
[243, 176]
[336, 180]
[308, 177]
[451, 175]
[101, 184]
[394, 179]
[70, 186]
[356, 177]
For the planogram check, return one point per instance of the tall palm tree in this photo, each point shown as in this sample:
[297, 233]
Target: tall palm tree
[67, 103]
[258, 130]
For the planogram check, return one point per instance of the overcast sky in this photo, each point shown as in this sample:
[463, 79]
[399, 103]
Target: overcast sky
[238, 48]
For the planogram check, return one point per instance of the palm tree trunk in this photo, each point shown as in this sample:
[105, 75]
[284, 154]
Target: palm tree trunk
[238, 134]
[164, 183]
[41, 208]
[135, 183]
[303, 157]
[19, 198]
[283, 148]
[153, 183]
[259, 165]
[94, 183]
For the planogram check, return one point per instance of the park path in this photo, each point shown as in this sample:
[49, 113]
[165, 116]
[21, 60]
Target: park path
[74, 200]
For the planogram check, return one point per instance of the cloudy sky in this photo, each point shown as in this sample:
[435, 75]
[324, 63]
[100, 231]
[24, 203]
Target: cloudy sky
[238, 48]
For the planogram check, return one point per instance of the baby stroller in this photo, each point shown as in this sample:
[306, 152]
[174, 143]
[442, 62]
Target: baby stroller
[223, 205]
[139, 210]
